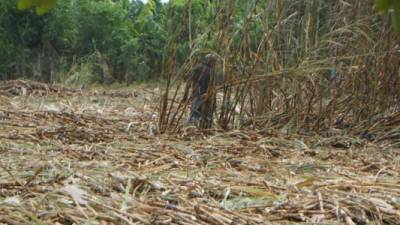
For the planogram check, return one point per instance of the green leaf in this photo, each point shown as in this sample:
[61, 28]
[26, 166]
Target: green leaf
[306, 183]
[24, 4]
[397, 14]
[396, 19]
[44, 6]
[383, 5]
[180, 2]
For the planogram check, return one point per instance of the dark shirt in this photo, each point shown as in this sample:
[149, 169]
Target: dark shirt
[200, 79]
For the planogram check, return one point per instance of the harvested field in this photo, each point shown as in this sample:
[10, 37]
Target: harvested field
[80, 157]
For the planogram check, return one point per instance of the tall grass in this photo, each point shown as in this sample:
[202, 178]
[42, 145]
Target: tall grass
[296, 65]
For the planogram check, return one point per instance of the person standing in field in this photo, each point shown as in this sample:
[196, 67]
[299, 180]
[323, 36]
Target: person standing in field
[202, 81]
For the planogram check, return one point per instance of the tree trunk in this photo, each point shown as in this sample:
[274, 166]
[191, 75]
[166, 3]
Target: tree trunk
[128, 76]
[20, 65]
[51, 56]
[105, 70]
[18, 69]
[36, 65]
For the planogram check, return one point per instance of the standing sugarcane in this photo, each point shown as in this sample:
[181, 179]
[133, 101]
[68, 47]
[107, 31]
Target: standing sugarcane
[202, 81]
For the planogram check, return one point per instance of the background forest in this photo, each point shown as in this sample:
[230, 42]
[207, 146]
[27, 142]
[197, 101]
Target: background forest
[77, 38]
[89, 41]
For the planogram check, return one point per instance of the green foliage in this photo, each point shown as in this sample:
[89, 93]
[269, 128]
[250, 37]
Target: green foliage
[42, 6]
[129, 34]
[137, 39]
[385, 6]
[82, 74]
[149, 39]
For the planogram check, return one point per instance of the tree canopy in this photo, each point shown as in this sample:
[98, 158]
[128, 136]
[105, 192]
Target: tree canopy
[42, 6]
[53, 40]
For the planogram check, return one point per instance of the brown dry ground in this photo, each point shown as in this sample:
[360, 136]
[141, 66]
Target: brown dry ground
[94, 157]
